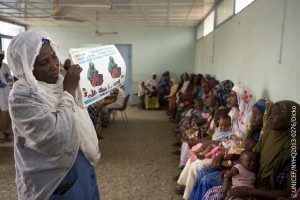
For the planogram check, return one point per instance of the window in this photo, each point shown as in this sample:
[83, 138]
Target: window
[209, 23]
[241, 4]
[7, 32]
[200, 31]
[10, 29]
[224, 11]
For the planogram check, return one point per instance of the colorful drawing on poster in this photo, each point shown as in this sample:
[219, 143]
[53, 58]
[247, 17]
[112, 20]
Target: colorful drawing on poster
[103, 69]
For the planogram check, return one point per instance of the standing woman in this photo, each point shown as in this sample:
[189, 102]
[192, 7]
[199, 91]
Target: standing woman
[56, 147]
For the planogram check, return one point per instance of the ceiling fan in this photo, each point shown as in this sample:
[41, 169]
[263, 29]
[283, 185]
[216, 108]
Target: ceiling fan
[60, 13]
[98, 33]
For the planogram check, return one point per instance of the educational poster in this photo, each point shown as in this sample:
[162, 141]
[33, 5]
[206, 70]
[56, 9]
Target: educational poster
[103, 69]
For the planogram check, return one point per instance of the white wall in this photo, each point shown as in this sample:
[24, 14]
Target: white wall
[247, 48]
[153, 49]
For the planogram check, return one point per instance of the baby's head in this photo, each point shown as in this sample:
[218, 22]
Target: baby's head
[218, 113]
[199, 104]
[248, 159]
[224, 123]
[249, 144]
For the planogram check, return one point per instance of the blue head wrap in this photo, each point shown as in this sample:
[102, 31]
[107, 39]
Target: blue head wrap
[261, 105]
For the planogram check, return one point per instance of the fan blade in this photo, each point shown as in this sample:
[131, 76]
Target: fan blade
[67, 18]
[85, 5]
[73, 19]
[108, 33]
[96, 33]
[61, 10]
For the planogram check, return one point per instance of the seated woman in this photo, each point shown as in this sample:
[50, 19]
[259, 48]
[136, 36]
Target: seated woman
[95, 108]
[260, 114]
[222, 132]
[151, 98]
[241, 101]
[105, 111]
[164, 89]
[257, 118]
[171, 97]
[186, 99]
[192, 118]
[274, 166]
[213, 175]
[189, 128]
[141, 94]
[217, 98]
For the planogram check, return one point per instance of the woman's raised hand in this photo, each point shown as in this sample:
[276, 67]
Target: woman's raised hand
[109, 99]
[71, 79]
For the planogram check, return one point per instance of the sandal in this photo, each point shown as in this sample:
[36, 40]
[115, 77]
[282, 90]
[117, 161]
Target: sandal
[177, 144]
[179, 190]
[177, 152]
[175, 178]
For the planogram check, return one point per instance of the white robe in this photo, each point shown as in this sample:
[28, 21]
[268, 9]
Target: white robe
[49, 127]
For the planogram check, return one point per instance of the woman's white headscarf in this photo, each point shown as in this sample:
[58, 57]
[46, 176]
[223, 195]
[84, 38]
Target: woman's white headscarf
[246, 100]
[152, 82]
[21, 55]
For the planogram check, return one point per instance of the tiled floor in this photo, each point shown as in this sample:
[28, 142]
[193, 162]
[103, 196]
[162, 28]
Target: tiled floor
[136, 162]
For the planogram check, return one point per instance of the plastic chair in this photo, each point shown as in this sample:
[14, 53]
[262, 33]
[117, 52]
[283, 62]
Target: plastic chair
[113, 111]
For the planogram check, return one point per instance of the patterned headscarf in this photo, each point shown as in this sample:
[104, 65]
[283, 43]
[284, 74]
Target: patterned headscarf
[209, 80]
[222, 91]
[246, 100]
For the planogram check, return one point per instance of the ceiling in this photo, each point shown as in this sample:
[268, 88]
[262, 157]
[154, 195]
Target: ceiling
[184, 13]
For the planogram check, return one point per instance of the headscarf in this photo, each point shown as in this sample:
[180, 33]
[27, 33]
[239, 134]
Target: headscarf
[260, 105]
[264, 106]
[209, 80]
[174, 87]
[22, 53]
[222, 91]
[246, 100]
[274, 146]
[111, 64]
[91, 71]
[152, 82]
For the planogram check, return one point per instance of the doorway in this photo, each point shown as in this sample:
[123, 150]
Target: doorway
[126, 52]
